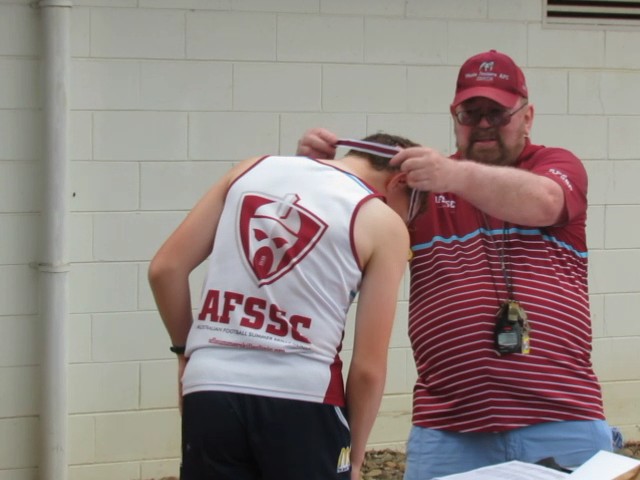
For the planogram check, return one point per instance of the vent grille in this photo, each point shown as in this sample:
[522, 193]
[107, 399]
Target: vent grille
[592, 12]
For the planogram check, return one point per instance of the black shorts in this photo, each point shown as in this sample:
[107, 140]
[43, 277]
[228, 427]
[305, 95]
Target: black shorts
[230, 436]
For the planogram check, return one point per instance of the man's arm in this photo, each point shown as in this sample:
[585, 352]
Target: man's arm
[381, 238]
[508, 193]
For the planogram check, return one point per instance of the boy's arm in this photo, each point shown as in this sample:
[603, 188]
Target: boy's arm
[186, 248]
[386, 243]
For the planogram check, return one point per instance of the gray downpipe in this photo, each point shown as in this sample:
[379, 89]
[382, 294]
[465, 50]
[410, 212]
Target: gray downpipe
[54, 266]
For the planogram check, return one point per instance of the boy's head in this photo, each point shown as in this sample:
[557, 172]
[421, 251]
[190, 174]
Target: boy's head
[379, 162]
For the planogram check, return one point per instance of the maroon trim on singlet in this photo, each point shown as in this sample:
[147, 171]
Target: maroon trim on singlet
[352, 236]
[258, 161]
[335, 389]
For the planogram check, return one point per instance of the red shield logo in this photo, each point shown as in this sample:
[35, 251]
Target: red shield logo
[276, 234]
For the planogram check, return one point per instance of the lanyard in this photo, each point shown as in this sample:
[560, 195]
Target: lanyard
[374, 148]
[506, 273]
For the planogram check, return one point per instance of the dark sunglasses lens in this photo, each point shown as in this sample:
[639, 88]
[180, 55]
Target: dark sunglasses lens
[468, 118]
[472, 118]
[498, 118]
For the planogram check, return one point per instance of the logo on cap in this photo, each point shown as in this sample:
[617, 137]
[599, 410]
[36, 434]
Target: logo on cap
[493, 75]
[486, 66]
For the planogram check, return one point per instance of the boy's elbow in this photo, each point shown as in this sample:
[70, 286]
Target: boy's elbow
[369, 373]
[159, 268]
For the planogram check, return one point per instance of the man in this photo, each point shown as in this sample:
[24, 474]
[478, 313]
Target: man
[290, 243]
[499, 312]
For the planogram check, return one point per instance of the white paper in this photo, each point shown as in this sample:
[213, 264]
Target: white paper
[513, 470]
[604, 466]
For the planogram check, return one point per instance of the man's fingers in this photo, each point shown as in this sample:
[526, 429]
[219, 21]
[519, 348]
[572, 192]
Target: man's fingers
[318, 143]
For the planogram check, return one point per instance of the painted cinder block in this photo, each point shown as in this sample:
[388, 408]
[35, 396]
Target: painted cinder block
[133, 436]
[137, 33]
[104, 84]
[19, 391]
[159, 384]
[387, 8]
[276, 87]
[516, 10]
[18, 128]
[102, 287]
[611, 358]
[18, 332]
[356, 88]
[326, 38]
[106, 471]
[450, 9]
[19, 34]
[104, 186]
[20, 87]
[236, 36]
[173, 188]
[18, 284]
[604, 92]
[581, 48]
[614, 271]
[20, 235]
[19, 441]
[407, 41]
[104, 387]
[587, 141]
[232, 136]
[620, 51]
[472, 37]
[20, 190]
[620, 310]
[144, 135]
[129, 336]
[185, 85]
[160, 468]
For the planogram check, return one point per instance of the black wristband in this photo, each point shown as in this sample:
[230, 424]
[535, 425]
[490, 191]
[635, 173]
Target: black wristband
[177, 350]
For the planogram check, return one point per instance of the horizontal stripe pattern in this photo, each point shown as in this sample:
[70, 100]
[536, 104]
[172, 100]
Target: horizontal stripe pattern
[457, 286]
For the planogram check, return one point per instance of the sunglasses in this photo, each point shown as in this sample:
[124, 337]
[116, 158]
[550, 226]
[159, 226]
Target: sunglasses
[496, 117]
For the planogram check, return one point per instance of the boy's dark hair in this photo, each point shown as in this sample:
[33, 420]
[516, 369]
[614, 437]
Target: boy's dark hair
[378, 162]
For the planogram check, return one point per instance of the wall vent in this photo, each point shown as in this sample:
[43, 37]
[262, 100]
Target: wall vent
[592, 12]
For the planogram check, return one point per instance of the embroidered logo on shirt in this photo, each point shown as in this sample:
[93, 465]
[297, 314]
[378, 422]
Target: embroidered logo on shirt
[276, 233]
[562, 177]
[443, 202]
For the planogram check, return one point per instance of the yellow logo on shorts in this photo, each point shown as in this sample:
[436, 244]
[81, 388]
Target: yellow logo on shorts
[344, 460]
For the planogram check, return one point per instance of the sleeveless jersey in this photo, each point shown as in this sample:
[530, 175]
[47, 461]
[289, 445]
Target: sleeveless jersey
[457, 285]
[281, 277]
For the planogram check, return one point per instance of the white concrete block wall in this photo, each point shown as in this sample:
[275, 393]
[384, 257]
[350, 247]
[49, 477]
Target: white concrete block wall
[168, 94]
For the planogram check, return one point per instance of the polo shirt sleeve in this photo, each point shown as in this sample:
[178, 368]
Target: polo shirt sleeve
[564, 168]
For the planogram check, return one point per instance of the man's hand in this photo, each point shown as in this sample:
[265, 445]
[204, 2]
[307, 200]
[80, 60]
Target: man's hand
[427, 169]
[317, 143]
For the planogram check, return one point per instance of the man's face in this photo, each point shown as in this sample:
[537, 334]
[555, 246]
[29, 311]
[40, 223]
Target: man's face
[492, 144]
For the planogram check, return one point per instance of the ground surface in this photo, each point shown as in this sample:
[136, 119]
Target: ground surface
[389, 464]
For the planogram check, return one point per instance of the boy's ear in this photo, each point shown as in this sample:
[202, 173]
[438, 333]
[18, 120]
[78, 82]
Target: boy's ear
[397, 180]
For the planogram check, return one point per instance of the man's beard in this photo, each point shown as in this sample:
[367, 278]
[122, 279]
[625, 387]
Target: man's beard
[496, 154]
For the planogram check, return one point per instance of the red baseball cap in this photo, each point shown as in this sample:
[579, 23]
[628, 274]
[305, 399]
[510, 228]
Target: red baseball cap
[493, 75]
